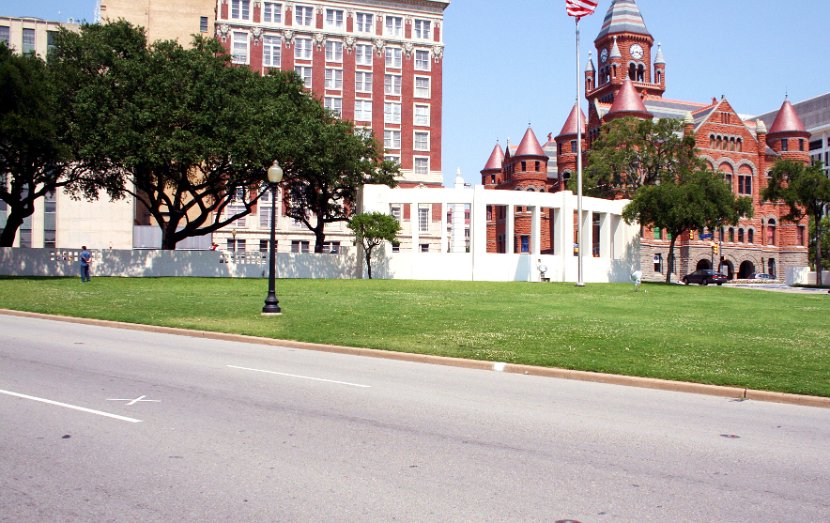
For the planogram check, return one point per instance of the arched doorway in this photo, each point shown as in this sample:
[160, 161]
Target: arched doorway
[727, 269]
[771, 267]
[703, 264]
[746, 270]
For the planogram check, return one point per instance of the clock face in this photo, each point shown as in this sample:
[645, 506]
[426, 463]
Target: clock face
[603, 55]
[636, 51]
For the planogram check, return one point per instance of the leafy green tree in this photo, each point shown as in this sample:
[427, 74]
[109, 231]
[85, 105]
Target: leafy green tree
[805, 191]
[324, 179]
[372, 229]
[35, 159]
[694, 200]
[630, 153]
[180, 130]
[825, 241]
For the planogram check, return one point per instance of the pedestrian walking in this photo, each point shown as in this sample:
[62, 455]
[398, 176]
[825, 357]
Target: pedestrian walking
[86, 261]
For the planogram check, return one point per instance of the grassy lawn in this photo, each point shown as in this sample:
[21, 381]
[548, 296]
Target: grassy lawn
[717, 335]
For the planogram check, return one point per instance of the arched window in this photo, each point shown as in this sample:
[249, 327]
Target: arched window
[731, 235]
[740, 235]
[740, 145]
[771, 232]
[641, 73]
[659, 77]
[750, 236]
[712, 141]
[632, 72]
[614, 71]
[590, 85]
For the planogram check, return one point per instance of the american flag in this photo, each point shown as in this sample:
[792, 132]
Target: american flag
[580, 8]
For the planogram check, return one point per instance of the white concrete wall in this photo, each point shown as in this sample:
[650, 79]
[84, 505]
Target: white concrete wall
[804, 276]
[102, 224]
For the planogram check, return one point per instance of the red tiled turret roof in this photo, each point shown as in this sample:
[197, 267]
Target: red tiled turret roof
[628, 102]
[529, 145]
[496, 159]
[570, 124]
[787, 120]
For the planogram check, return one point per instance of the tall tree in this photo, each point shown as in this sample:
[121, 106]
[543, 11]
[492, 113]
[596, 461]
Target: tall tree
[805, 191]
[630, 153]
[372, 229]
[692, 201]
[35, 159]
[324, 179]
[178, 129]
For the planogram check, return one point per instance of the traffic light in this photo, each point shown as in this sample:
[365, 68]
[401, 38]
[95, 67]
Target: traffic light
[715, 249]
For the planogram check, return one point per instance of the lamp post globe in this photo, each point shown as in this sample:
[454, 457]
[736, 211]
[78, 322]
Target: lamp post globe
[272, 305]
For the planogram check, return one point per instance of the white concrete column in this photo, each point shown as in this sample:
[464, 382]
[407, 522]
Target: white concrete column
[414, 220]
[509, 230]
[536, 231]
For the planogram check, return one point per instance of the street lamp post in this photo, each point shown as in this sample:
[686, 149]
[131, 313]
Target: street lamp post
[272, 305]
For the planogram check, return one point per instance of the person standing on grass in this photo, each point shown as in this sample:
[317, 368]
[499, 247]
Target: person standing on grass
[86, 260]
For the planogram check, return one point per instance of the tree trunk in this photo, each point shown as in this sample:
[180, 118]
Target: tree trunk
[817, 229]
[13, 223]
[319, 236]
[368, 253]
[168, 236]
[671, 258]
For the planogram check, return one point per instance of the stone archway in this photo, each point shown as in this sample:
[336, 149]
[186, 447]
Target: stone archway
[703, 264]
[746, 270]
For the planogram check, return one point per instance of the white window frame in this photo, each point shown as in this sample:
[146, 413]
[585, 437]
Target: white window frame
[238, 8]
[421, 115]
[363, 81]
[236, 57]
[392, 112]
[334, 78]
[364, 55]
[303, 15]
[420, 61]
[275, 9]
[303, 49]
[334, 51]
[393, 158]
[422, 29]
[364, 22]
[424, 211]
[395, 56]
[393, 25]
[395, 210]
[334, 104]
[363, 110]
[427, 93]
[392, 84]
[305, 72]
[392, 139]
[420, 165]
[424, 135]
[333, 21]
[271, 50]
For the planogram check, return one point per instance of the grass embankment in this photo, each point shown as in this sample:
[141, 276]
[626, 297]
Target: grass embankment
[748, 338]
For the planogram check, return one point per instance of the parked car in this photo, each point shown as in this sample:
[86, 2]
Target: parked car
[704, 277]
[762, 276]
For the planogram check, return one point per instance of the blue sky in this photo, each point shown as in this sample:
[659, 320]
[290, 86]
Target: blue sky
[508, 64]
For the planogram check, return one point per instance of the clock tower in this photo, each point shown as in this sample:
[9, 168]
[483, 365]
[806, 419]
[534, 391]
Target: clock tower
[624, 48]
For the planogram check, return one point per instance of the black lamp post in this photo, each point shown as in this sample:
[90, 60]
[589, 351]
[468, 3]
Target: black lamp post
[272, 305]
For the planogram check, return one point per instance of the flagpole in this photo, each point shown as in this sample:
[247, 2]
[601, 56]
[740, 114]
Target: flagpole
[580, 282]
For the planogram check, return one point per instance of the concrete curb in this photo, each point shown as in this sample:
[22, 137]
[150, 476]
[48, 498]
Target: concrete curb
[596, 377]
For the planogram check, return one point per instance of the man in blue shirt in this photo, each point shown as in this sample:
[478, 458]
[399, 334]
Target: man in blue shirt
[86, 260]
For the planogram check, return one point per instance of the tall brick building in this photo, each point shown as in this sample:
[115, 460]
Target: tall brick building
[629, 81]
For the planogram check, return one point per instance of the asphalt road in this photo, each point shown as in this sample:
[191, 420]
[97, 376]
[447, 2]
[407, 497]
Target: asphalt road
[189, 429]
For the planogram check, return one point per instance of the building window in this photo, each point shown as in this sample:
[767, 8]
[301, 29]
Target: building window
[785, 145]
[335, 105]
[423, 218]
[332, 247]
[800, 235]
[5, 37]
[363, 110]
[49, 220]
[363, 82]
[524, 243]
[421, 141]
[392, 112]
[395, 211]
[771, 232]
[801, 144]
[236, 245]
[421, 166]
[28, 41]
[263, 246]
[421, 115]
[422, 89]
[731, 235]
[424, 247]
[364, 23]
[271, 51]
[658, 233]
[393, 26]
[271, 12]
[745, 184]
[392, 84]
[303, 48]
[363, 54]
[264, 208]
[394, 57]
[422, 61]
[740, 235]
[394, 158]
[303, 15]
[334, 51]
[334, 78]
[304, 72]
[750, 236]
[334, 19]
[392, 139]
[240, 48]
[241, 9]
[423, 29]
[203, 24]
[300, 246]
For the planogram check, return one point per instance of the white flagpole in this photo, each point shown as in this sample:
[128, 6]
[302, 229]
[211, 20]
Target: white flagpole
[580, 282]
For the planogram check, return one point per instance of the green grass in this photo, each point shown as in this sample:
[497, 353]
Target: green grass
[717, 335]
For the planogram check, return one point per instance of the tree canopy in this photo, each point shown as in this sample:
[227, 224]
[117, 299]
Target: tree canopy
[805, 191]
[372, 229]
[630, 153]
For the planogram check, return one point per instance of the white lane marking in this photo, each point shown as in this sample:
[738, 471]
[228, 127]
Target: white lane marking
[68, 406]
[302, 377]
[134, 401]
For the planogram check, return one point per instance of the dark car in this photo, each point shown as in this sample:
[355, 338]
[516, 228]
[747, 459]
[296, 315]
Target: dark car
[704, 277]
